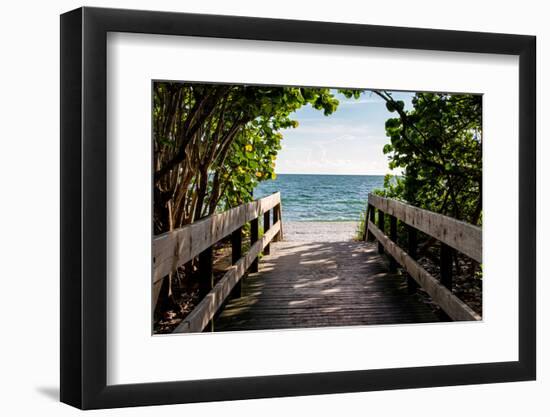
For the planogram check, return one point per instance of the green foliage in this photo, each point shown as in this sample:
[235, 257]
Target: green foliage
[438, 147]
[251, 160]
[214, 143]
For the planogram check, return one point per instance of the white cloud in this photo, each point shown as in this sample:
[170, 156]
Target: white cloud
[337, 156]
[350, 141]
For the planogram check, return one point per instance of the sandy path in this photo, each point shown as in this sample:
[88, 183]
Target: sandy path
[319, 231]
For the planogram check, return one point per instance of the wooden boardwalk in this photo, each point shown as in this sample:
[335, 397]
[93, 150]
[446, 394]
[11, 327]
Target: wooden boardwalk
[316, 279]
[317, 284]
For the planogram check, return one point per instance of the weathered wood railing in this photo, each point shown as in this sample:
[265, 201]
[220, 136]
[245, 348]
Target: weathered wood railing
[174, 249]
[452, 234]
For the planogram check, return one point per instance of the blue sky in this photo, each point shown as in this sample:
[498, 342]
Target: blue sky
[349, 141]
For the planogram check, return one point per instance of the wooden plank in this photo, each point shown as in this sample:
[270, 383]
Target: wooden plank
[412, 249]
[206, 277]
[370, 215]
[446, 266]
[172, 249]
[279, 208]
[206, 271]
[236, 255]
[197, 320]
[365, 229]
[325, 284]
[462, 236]
[276, 217]
[156, 292]
[452, 305]
[254, 236]
[267, 222]
[393, 237]
[381, 225]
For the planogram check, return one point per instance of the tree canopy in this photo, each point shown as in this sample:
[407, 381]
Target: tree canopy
[438, 146]
[213, 143]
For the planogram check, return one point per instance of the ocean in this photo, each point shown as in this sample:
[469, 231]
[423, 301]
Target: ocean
[326, 198]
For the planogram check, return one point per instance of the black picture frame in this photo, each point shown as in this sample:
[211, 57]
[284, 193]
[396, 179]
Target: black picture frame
[84, 207]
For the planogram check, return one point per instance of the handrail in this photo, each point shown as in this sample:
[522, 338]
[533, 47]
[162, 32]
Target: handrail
[174, 249]
[462, 236]
[203, 313]
[452, 233]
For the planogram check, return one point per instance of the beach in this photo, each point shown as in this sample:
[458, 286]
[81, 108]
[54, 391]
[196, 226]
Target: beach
[319, 231]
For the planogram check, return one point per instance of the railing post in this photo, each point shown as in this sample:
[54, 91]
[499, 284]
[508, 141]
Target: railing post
[254, 236]
[381, 227]
[276, 217]
[206, 277]
[370, 236]
[281, 233]
[236, 253]
[266, 228]
[393, 237]
[412, 244]
[446, 266]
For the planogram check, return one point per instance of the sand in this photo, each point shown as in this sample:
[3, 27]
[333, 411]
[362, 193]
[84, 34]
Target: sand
[319, 231]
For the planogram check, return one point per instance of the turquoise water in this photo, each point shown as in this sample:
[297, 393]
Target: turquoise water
[321, 197]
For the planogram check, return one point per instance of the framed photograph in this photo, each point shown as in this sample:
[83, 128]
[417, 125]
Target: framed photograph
[256, 208]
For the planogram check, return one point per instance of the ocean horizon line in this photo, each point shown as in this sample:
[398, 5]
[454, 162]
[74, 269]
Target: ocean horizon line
[335, 175]
[321, 221]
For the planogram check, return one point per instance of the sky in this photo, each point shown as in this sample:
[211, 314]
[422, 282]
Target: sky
[349, 141]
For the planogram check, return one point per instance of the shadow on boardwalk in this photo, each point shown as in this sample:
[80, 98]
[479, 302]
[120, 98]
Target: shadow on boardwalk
[317, 284]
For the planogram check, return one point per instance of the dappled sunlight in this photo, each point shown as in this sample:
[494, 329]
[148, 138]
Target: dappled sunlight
[331, 290]
[315, 261]
[301, 302]
[327, 280]
[313, 284]
[331, 309]
[305, 284]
